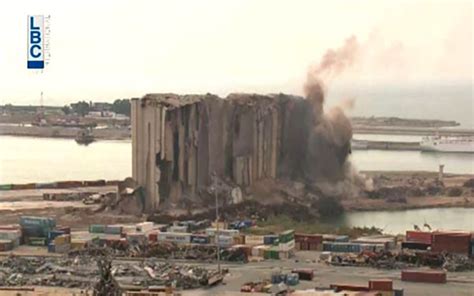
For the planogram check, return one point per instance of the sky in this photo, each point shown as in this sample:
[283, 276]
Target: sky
[104, 50]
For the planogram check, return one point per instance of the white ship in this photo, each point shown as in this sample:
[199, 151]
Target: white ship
[447, 144]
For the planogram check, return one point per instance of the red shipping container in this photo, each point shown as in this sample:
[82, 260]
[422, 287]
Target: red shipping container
[153, 236]
[451, 242]
[309, 238]
[381, 285]
[65, 229]
[425, 276]
[305, 274]
[419, 236]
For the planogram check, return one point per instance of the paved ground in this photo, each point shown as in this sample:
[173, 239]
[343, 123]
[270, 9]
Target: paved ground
[461, 283]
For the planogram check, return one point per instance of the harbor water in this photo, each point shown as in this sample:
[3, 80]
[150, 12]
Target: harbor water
[27, 159]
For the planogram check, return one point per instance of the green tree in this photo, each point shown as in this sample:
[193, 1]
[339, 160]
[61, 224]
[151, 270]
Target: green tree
[121, 107]
[66, 110]
[81, 108]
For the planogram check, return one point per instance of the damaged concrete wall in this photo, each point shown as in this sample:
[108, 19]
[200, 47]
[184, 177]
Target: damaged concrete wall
[180, 141]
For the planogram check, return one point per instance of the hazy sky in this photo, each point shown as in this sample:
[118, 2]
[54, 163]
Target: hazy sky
[103, 50]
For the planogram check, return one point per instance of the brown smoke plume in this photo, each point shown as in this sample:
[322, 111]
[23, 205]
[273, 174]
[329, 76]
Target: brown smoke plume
[330, 138]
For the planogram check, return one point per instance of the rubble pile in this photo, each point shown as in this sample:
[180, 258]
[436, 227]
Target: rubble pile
[153, 273]
[100, 274]
[402, 260]
[41, 271]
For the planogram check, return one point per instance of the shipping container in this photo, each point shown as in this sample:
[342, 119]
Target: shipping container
[139, 238]
[305, 274]
[145, 226]
[388, 242]
[225, 232]
[96, 228]
[270, 254]
[128, 229]
[79, 244]
[224, 240]
[53, 234]
[176, 228]
[288, 246]
[292, 279]
[254, 240]
[309, 238]
[347, 287]
[286, 236]
[153, 236]
[381, 285]
[62, 240]
[10, 234]
[113, 229]
[35, 241]
[270, 239]
[451, 242]
[180, 238]
[31, 221]
[200, 239]
[415, 245]
[6, 245]
[425, 276]
[419, 236]
[65, 229]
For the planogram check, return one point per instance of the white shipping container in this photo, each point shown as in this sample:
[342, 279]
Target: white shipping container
[254, 240]
[224, 240]
[176, 228]
[224, 232]
[184, 238]
[129, 228]
[287, 246]
[144, 226]
[9, 234]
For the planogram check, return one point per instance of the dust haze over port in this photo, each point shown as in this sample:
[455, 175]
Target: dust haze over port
[329, 142]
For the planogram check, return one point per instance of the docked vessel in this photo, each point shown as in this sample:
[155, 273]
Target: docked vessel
[84, 137]
[447, 144]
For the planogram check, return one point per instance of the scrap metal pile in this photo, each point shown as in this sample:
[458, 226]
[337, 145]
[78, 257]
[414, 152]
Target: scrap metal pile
[402, 260]
[86, 272]
[167, 250]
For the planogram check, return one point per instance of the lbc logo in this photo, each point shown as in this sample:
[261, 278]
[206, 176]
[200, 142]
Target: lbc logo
[36, 42]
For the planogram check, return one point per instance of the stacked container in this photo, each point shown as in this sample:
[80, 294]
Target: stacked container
[35, 229]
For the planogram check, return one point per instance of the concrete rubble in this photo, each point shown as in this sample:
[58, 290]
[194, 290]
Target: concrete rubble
[84, 272]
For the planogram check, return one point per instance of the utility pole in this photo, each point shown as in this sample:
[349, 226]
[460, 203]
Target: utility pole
[217, 232]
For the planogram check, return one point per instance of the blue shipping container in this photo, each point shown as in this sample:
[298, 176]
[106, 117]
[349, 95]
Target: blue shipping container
[54, 233]
[200, 239]
[270, 239]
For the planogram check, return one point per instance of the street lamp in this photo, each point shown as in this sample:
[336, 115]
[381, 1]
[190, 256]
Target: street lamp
[217, 233]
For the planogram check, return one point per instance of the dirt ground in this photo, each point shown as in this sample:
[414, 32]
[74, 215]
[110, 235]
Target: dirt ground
[414, 192]
[16, 203]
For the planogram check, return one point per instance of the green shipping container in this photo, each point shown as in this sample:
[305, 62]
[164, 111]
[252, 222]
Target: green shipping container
[36, 241]
[96, 228]
[287, 236]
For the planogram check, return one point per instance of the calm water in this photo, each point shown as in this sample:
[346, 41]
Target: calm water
[384, 160]
[387, 138]
[399, 221]
[26, 159]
